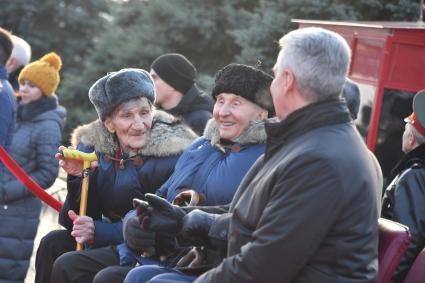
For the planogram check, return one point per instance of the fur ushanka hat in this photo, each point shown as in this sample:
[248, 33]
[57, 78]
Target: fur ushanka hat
[118, 87]
[246, 81]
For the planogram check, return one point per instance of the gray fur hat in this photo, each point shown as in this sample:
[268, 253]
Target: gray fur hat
[117, 87]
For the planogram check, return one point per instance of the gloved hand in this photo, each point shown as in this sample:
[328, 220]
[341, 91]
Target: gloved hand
[136, 238]
[196, 225]
[158, 215]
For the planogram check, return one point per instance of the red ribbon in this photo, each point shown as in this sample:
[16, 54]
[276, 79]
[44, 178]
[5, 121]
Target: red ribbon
[27, 181]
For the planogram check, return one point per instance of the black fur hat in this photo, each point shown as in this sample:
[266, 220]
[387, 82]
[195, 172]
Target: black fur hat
[246, 81]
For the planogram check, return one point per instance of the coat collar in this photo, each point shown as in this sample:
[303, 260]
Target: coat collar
[168, 136]
[192, 100]
[28, 111]
[415, 156]
[254, 134]
[313, 116]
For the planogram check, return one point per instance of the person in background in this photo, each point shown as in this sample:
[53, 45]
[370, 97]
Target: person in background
[292, 218]
[404, 198]
[351, 94]
[7, 99]
[137, 147]
[20, 57]
[38, 133]
[177, 93]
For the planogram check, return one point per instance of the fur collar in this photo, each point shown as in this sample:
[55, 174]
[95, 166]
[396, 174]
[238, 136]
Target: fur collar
[168, 136]
[254, 134]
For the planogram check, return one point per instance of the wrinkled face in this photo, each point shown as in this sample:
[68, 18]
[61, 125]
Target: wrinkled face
[277, 90]
[131, 122]
[29, 92]
[232, 114]
[162, 89]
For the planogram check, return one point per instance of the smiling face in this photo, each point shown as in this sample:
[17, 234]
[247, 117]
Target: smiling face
[29, 92]
[131, 122]
[233, 113]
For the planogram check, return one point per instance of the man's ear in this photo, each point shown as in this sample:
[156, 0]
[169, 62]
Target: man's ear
[12, 64]
[289, 80]
[109, 125]
[412, 140]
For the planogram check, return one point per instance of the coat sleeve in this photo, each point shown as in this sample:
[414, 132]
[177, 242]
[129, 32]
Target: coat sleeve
[47, 143]
[409, 209]
[6, 117]
[106, 234]
[294, 221]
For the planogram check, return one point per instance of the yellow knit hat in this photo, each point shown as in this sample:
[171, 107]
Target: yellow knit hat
[44, 73]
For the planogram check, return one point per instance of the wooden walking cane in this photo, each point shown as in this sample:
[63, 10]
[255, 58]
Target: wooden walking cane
[87, 158]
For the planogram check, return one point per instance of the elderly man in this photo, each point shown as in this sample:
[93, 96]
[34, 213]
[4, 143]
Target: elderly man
[307, 210]
[404, 198]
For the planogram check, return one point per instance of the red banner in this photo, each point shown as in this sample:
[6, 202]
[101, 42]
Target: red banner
[27, 181]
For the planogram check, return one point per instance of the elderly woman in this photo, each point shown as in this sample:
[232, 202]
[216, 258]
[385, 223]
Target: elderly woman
[215, 164]
[137, 148]
[35, 140]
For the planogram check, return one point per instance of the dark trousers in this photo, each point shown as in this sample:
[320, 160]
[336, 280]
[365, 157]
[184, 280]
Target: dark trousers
[99, 265]
[57, 262]
[51, 247]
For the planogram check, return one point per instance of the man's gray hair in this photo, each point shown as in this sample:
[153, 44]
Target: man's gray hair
[420, 139]
[319, 60]
[21, 50]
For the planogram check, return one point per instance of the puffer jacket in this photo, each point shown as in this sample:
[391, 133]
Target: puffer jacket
[119, 179]
[35, 141]
[7, 109]
[404, 201]
[298, 216]
[194, 108]
[213, 167]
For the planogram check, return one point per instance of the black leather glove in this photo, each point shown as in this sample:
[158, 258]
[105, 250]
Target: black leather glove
[158, 215]
[196, 226]
[136, 238]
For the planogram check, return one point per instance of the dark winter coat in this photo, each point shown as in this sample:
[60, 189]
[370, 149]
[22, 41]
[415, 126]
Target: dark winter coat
[404, 202]
[215, 169]
[112, 187]
[297, 215]
[7, 109]
[195, 109]
[35, 142]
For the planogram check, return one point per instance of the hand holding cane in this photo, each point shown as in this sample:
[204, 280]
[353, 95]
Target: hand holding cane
[87, 158]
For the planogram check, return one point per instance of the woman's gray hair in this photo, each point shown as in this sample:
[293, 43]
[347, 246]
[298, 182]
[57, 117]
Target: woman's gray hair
[420, 139]
[319, 60]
